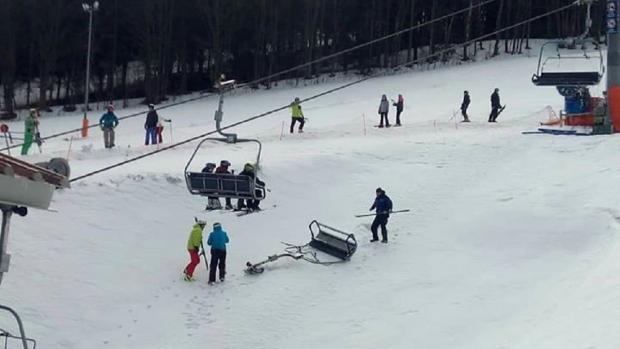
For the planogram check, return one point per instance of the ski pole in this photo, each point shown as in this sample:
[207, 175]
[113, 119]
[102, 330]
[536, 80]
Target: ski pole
[374, 214]
[204, 255]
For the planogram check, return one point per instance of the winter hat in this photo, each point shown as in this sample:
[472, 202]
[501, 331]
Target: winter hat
[225, 163]
[379, 190]
[33, 111]
[217, 226]
[151, 106]
[248, 167]
[201, 223]
[110, 107]
[296, 99]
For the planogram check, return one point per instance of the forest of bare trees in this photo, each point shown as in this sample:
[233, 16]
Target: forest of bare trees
[152, 49]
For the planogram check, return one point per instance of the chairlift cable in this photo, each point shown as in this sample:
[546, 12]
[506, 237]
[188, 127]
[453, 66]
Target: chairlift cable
[327, 92]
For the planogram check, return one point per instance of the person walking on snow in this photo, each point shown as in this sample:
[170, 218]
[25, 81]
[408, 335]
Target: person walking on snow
[384, 108]
[108, 123]
[399, 108]
[465, 105]
[193, 247]
[383, 207]
[30, 126]
[297, 115]
[223, 168]
[217, 240]
[151, 126]
[495, 106]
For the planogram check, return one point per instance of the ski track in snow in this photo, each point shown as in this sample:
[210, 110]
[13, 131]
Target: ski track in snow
[512, 240]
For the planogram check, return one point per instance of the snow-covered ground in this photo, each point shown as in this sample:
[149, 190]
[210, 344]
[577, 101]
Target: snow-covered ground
[512, 242]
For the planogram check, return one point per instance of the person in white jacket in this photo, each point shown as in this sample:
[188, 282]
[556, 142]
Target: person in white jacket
[160, 126]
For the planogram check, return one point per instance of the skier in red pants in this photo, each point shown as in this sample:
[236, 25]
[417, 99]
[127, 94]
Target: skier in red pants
[193, 247]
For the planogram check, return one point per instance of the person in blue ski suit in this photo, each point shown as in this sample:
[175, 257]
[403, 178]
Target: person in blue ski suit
[108, 123]
[217, 240]
[383, 207]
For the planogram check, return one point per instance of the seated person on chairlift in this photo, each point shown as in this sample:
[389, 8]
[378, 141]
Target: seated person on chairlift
[252, 205]
[223, 168]
[213, 203]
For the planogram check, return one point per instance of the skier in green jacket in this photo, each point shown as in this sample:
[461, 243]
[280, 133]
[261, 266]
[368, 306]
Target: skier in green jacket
[30, 125]
[297, 115]
[193, 247]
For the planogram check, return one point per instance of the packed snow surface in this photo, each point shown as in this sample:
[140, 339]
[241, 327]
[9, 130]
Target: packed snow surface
[512, 240]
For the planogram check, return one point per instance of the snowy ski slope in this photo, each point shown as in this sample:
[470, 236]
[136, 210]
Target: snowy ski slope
[513, 240]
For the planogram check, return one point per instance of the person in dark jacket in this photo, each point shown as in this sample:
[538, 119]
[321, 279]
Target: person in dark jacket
[465, 105]
[384, 108]
[399, 108]
[383, 207]
[213, 203]
[252, 205]
[108, 123]
[495, 106]
[223, 168]
[217, 240]
[151, 126]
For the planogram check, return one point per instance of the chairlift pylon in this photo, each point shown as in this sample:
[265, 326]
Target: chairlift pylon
[223, 185]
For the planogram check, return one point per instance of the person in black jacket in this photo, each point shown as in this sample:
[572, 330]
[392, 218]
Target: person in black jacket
[383, 207]
[151, 125]
[464, 106]
[252, 205]
[495, 106]
[400, 104]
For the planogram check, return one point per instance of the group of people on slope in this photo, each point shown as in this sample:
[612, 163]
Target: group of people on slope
[384, 109]
[496, 106]
[153, 126]
[218, 239]
[247, 204]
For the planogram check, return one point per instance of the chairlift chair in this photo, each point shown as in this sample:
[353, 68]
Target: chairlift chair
[543, 77]
[332, 241]
[223, 185]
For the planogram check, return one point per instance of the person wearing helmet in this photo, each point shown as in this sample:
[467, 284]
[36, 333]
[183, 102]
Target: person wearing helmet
[495, 106]
[193, 247]
[150, 125]
[30, 126]
[465, 105]
[297, 115]
[213, 203]
[217, 240]
[383, 207]
[108, 123]
[223, 168]
[252, 205]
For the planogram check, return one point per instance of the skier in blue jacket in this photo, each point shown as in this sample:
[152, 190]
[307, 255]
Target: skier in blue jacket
[383, 207]
[108, 123]
[217, 240]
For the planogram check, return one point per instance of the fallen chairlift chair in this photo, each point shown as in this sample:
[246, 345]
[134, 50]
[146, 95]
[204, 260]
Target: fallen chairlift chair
[223, 185]
[324, 238]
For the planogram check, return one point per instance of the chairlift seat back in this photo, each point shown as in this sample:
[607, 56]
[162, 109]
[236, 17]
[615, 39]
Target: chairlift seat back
[567, 79]
[332, 241]
[224, 185]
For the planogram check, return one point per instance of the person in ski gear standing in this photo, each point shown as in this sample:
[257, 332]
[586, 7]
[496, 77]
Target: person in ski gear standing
[383, 207]
[399, 108]
[213, 203]
[193, 247]
[384, 108]
[223, 168]
[252, 205]
[495, 106]
[30, 126]
[151, 126]
[465, 105]
[217, 240]
[297, 115]
[108, 123]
